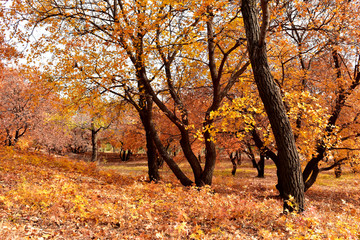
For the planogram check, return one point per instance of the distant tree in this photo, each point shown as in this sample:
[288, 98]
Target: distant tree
[21, 105]
[51, 131]
[93, 114]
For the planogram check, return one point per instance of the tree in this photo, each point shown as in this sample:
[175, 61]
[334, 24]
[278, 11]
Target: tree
[289, 171]
[167, 57]
[53, 135]
[21, 105]
[126, 134]
[311, 59]
[52, 132]
[130, 45]
[318, 74]
[111, 26]
[93, 113]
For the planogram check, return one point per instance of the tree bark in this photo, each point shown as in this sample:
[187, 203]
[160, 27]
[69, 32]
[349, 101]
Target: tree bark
[291, 184]
[8, 138]
[210, 159]
[233, 157]
[261, 166]
[153, 168]
[146, 119]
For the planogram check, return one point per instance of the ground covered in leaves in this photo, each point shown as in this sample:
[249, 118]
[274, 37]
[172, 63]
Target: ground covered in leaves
[44, 197]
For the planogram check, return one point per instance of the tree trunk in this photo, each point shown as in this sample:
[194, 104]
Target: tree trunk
[234, 157]
[261, 166]
[191, 157]
[152, 163]
[8, 138]
[169, 161]
[289, 171]
[251, 155]
[338, 171]
[125, 155]
[144, 86]
[210, 159]
[145, 108]
[258, 165]
[94, 155]
[153, 169]
[238, 157]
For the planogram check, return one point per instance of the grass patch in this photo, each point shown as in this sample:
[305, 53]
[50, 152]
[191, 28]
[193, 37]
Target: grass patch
[127, 170]
[329, 179]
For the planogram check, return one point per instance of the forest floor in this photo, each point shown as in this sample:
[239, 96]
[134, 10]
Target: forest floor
[43, 197]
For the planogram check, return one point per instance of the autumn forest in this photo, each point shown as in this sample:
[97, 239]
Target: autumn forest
[179, 119]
